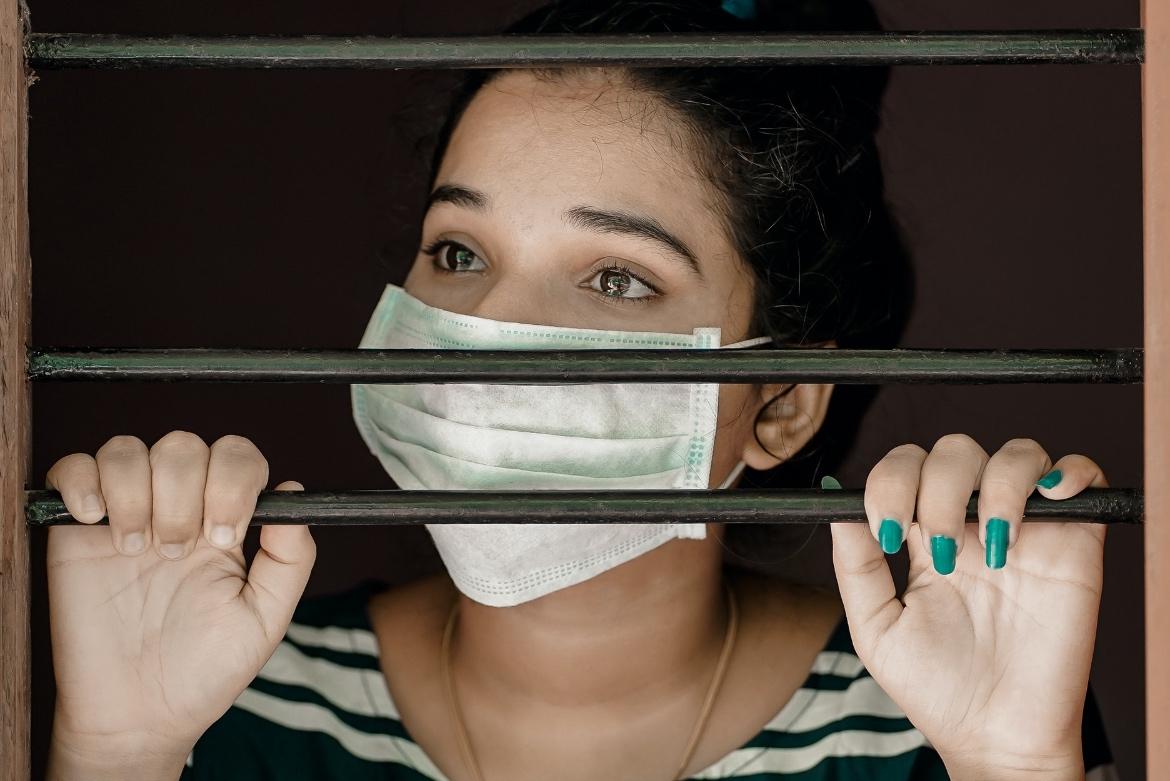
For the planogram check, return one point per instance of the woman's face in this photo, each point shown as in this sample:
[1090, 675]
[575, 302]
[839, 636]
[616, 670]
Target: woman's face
[578, 204]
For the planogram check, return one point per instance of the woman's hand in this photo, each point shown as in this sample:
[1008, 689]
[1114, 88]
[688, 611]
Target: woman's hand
[990, 660]
[156, 624]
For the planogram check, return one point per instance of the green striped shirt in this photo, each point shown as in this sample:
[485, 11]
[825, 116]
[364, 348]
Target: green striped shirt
[320, 709]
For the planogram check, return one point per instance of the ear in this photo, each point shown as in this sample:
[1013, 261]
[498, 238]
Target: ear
[787, 424]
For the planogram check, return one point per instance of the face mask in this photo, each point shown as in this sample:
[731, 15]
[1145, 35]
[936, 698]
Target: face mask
[466, 436]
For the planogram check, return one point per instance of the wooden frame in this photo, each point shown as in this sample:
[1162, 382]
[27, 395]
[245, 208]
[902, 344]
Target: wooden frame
[15, 409]
[15, 399]
[1155, 248]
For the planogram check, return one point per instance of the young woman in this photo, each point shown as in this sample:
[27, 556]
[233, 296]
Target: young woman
[599, 207]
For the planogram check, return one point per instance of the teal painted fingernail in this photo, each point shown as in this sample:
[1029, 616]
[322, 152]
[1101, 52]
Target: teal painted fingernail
[1050, 479]
[890, 535]
[828, 481]
[996, 543]
[942, 550]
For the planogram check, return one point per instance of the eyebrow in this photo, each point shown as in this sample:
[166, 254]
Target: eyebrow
[586, 217]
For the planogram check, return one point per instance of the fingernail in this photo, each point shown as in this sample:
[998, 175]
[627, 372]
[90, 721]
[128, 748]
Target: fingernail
[890, 535]
[996, 543]
[134, 542]
[828, 481]
[172, 550]
[223, 535]
[1050, 479]
[942, 550]
[92, 504]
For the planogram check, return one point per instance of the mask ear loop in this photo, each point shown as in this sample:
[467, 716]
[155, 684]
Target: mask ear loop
[748, 342]
[735, 472]
[741, 465]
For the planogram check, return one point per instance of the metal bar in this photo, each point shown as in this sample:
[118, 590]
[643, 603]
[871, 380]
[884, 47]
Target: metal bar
[808, 506]
[1155, 76]
[585, 366]
[75, 50]
[15, 400]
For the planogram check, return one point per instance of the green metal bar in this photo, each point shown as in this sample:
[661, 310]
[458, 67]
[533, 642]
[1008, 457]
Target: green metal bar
[585, 366]
[75, 50]
[809, 506]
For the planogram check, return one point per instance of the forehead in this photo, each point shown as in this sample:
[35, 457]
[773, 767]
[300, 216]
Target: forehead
[589, 137]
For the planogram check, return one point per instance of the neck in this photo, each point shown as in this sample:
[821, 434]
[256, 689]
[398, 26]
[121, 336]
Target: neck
[654, 624]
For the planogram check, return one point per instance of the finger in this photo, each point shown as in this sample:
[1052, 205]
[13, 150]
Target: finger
[1068, 477]
[890, 490]
[1008, 479]
[863, 580]
[865, 583]
[236, 474]
[178, 467]
[124, 470]
[279, 572]
[76, 478]
[949, 475]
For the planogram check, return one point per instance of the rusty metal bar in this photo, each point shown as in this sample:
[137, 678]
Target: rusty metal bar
[74, 50]
[807, 506]
[580, 366]
[1156, 253]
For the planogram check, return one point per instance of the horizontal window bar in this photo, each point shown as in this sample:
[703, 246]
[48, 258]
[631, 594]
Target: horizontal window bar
[584, 366]
[805, 506]
[76, 50]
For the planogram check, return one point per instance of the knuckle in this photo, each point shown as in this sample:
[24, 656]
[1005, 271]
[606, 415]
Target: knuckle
[235, 444]
[129, 508]
[865, 568]
[999, 483]
[171, 521]
[230, 496]
[887, 481]
[70, 467]
[955, 443]
[182, 443]
[234, 447]
[1022, 445]
[141, 503]
[909, 449]
[122, 446]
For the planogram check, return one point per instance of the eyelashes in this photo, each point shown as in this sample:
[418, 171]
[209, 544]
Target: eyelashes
[434, 248]
[435, 251]
[618, 268]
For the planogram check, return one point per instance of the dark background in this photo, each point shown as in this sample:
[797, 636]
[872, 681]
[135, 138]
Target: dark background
[246, 208]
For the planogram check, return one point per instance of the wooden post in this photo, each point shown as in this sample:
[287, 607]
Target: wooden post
[1156, 251]
[15, 423]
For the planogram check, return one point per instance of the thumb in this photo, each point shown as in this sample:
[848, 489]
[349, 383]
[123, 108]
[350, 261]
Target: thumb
[279, 572]
[864, 580]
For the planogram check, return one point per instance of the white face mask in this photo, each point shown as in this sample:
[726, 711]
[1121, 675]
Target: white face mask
[465, 436]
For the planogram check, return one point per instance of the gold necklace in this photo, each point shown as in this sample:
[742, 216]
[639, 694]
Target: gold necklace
[700, 723]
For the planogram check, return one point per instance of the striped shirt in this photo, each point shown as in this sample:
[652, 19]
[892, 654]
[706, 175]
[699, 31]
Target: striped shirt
[320, 709]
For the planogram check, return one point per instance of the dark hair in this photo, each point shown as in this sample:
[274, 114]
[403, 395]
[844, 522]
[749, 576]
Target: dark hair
[791, 152]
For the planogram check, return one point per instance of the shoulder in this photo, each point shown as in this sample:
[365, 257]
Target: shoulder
[318, 707]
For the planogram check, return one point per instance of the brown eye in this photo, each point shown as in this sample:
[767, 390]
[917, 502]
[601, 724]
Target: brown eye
[450, 256]
[621, 283]
[615, 283]
[457, 258]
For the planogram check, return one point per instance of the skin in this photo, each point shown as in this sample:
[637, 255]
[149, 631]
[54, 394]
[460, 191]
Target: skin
[991, 665]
